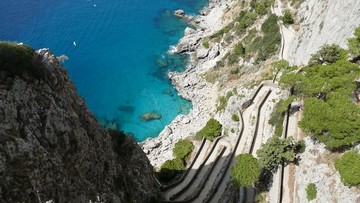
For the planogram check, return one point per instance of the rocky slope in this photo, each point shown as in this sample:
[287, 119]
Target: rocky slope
[321, 22]
[52, 148]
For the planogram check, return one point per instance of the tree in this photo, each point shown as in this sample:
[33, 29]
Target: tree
[276, 151]
[246, 170]
[280, 65]
[287, 18]
[329, 113]
[183, 149]
[170, 168]
[354, 43]
[349, 168]
[327, 54]
[311, 191]
[211, 130]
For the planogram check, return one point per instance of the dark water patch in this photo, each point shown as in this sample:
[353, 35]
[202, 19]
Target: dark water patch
[126, 108]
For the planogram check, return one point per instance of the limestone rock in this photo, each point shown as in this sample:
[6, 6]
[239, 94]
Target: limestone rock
[179, 13]
[202, 52]
[149, 116]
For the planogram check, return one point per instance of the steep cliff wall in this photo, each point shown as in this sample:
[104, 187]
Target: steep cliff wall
[322, 22]
[52, 148]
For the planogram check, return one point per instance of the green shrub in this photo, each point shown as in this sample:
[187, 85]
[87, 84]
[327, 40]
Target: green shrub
[246, 170]
[223, 101]
[354, 43]
[300, 147]
[277, 116]
[327, 54]
[170, 168]
[19, 59]
[183, 149]
[232, 59]
[211, 130]
[239, 49]
[287, 18]
[205, 43]
[275, 152]
[235, 117]
[349, 168]
[311, 191]
[260, 8]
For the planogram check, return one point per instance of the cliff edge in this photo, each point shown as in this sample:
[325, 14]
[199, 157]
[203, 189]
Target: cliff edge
[51, 146]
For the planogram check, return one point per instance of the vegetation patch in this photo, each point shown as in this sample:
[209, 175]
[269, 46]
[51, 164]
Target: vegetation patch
[19, 59]
[246, 170]
[275, 152]
[311, 191]
[223, 101]
[278, 115]
[211, 130]
[329, 112]
[349, 168]
[171, 168]
[235, 117]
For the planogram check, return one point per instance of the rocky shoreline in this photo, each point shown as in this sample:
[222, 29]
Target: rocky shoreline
[189, 84]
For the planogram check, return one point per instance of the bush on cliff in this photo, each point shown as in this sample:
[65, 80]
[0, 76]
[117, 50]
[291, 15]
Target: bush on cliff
[246, 170]
[349, 168]
[183, 149]
[19, 59]
[211, 130]
[171, 168]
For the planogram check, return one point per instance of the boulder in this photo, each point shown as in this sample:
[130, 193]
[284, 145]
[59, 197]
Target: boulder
[202, 53]
[189, 31]
[179, 13]
[149, 116]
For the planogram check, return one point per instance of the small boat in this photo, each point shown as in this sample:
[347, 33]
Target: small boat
[74, 43]
[94, 5]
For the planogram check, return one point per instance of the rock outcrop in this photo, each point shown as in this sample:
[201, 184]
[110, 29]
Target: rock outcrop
[52, 147]
[322, 22]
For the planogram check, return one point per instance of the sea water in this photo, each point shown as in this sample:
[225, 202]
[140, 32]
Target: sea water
[117, 50]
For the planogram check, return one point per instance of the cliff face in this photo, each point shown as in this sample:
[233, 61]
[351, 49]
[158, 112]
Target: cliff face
[322, 22]
[52, 148]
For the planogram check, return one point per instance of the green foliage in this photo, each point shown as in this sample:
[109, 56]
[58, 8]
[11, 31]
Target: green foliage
[311, 191]
[170, 168]
[287, 18]
[267, 45]
[349, 168]
[19, 59]
[223, 101]
[235, 117]
[183, 149]
[327, 54]
[275, 152]
[260, 8]
[239, 49]
[329, 113]
[300, 147]
[354, 43]
[232, 59]
[211, 130]
[280, 65]
[205, 43]
[277, 116]
[246, 170]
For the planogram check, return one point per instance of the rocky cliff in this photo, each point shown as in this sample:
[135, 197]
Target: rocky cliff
[322, 22]
[52, 148]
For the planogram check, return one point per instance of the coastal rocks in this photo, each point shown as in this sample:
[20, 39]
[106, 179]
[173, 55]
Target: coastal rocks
[202, 52]
[179, 13]
[189, 31]
[188, 44]
[149, 116]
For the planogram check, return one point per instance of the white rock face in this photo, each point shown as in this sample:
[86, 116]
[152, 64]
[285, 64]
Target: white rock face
[322, 22]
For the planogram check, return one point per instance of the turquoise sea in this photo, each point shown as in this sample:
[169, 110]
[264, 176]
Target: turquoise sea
[120, 60]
